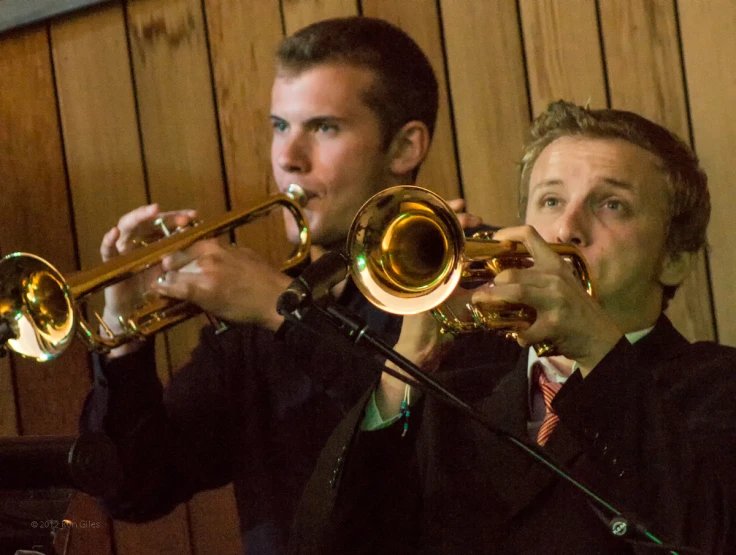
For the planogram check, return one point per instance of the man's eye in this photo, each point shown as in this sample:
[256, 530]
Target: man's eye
[614, 205]
[279, 125]
[550, 201]
[326, 127]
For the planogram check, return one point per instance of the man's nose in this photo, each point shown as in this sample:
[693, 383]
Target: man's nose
[293, 155]
[573, 226]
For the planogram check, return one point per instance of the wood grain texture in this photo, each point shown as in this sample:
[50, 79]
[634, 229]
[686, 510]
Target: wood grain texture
[563, 53]
[8, 416]
[182, 158]
[177, 119]
[300, 13]
[106, 175]
[99, 124]
[38, 220]
[489, 96]
[243, 67]
[33, 180]
[709, 49]
[168, 535]
[645, 76]
[420, 20]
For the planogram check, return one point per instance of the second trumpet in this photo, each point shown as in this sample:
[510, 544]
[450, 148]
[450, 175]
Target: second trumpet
[408, 253]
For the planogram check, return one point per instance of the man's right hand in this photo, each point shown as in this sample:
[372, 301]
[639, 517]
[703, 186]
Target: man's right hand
[421, 340]
[134, 230]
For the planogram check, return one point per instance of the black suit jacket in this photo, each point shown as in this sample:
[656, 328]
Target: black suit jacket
[652, 430]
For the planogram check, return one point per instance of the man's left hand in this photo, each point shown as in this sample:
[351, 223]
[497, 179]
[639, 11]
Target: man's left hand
[567, 316]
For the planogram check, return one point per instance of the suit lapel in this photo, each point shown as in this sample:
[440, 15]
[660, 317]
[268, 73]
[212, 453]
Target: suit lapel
[507, 409]
[519, 478]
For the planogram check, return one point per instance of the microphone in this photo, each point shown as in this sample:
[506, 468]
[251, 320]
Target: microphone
[315, 282]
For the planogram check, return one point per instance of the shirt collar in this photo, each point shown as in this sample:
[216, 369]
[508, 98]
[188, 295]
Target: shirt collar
[553, 374]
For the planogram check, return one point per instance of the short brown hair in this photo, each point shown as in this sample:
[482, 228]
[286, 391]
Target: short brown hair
[405, 88]
[689, 207]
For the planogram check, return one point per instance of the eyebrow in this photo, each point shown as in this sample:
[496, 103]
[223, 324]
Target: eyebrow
[549, 183]
[315, 120]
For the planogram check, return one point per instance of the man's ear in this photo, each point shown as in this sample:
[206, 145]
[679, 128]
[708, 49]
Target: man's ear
[409, 148]
[676, 267]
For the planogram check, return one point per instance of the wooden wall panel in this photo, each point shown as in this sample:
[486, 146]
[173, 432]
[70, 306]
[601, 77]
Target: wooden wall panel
[709, 49]
[645, 76]
[300, 13]
[420, 20]
[563, 53]
[33, 179]
[99, 122]
[489, 97]
[175, 103]
[8, 416]
[104, 160]
[243, 37]
[241, 48]
[19, 142]
[179, 131]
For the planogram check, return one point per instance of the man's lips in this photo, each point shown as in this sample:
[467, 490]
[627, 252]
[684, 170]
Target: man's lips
[310, 195]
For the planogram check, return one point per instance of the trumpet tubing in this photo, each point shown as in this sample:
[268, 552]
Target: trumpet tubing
[42, 309]
[408, 254]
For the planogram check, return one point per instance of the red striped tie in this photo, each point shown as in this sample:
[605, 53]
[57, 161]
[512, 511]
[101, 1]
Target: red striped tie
[549, 390]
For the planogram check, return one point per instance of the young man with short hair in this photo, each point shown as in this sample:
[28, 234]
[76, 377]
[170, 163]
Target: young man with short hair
[634, 411]
[353, 110]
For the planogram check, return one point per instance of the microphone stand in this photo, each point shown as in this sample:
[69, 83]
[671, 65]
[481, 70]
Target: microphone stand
[360, 334]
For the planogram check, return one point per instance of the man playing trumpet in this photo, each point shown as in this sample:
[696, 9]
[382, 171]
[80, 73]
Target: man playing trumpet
[353, 109]
[629, 406]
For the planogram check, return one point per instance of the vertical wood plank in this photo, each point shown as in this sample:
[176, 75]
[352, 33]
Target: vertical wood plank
[166, 536]
[489, 98]
[242, 58]
[176, 105]
[17, 143]
[563, 54]
[183, 164]
[99, 122]
[106, 175]
[645, 76]
[243, 66]
[177, 120]
[8, 416]
[34, 187]
[421, 21]
[300, 13]
[709, 48]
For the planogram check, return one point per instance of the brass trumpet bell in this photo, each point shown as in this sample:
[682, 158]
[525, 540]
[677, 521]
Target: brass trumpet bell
[409, 253]
[41, 311]
[36, 306]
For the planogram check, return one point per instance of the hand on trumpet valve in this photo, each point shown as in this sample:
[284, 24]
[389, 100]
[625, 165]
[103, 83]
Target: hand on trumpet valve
[136, 229]
[566, 315]
[232, 283]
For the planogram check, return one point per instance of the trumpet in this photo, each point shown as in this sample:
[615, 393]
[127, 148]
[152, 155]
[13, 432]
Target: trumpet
[408, 253]
[40, 310]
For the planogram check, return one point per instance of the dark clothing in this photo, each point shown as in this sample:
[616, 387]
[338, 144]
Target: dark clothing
[250, 407]
[652, 430]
